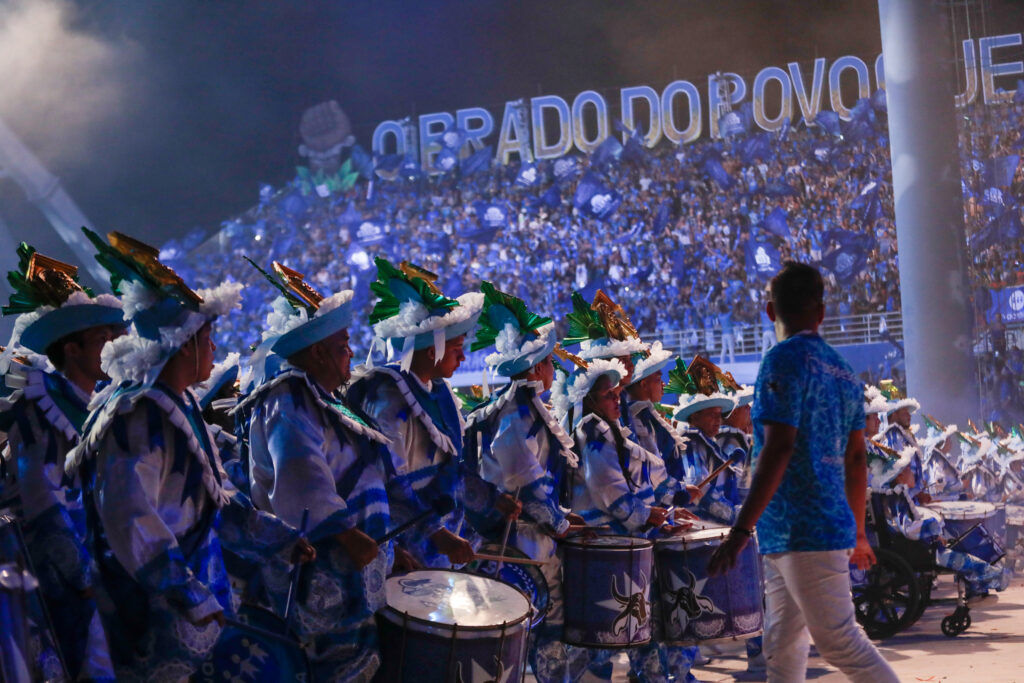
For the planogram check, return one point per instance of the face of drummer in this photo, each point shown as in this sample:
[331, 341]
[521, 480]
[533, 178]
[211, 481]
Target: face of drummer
[708, 421]
[872, 422]
[543, 372]
[452, 358]
[906, 477]
[652, 387]
[334, 355]
[901, 417]
[604, 399]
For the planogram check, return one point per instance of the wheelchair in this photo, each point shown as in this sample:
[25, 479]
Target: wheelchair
[892, 595]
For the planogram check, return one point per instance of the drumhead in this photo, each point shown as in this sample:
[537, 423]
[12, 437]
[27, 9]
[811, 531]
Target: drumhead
[609, 542]
[456, 598]
[526, 577]
[1015, 515]
[964, 509]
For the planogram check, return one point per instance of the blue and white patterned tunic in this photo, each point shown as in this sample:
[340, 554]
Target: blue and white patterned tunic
[308, 450]
[804, 383]
[898, 438]
[42, 419]
[656, 435]
[722, 497]
[424, 427]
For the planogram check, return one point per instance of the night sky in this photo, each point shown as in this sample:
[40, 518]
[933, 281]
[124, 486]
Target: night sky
[163, 116]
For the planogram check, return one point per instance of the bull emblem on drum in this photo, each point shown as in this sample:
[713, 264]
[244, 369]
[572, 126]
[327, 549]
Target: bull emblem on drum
[634, 606]
[687, 600]
[499, 675]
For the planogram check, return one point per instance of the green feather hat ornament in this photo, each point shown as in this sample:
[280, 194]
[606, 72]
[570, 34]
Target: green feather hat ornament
[602, 329]
[51, 304]
[521, 338]
[412, 313]
[698, 387]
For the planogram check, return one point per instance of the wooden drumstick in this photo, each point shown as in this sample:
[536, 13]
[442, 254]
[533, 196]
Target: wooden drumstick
[504, 539]
[711, 477]
[500, 559]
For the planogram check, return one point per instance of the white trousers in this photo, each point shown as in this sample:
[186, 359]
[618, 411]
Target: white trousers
[808, 594]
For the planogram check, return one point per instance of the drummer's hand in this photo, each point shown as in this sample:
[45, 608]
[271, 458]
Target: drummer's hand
[575, 519]
[209, 619]
[676, 529]
[696, 493]
[863, 556]
[303, 551]
[404, 561]
[684, 515]
[360, 547]
[657, 517]
[724, 557]
[508, 506]
[458, 550]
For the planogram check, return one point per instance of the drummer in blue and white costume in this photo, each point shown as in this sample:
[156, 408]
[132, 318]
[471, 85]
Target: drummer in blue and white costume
[701, 403]
[899, 434]
[652, 431]
[309, 451]
[737, 433]
[616, 489]
[941, 473]
[890, 473]
[979, 480]
[412, 404]
[218, 397]
[604, 331]
[523, 451]
[156, 495]
[58, 336]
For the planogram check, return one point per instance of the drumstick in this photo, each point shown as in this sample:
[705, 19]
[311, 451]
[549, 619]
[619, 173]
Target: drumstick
[511, 560]
[440, 507]
[711, 477]
[504, 539]
[293, 585]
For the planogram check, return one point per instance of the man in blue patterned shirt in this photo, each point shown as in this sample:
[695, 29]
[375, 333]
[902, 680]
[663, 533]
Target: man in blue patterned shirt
[810, 476]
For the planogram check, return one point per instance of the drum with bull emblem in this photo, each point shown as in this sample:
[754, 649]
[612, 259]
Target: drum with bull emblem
[697, 608]
[606, 581]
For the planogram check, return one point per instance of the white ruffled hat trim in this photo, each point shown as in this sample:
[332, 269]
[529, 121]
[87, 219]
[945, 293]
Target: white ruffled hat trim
[613, 349]
[583, 380]
[884, 471]
[875, 401]
[658, 357]
[933, 438]
[904, 403]
[511, 344]
[413, 318]
[284, 318]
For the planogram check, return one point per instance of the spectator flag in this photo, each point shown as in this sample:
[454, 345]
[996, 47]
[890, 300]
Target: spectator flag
[491, 218]
[714, 170]
[528, 174]
[566, 168]
[552, 198]
[370, 231]
[446, 160]
[479, 160]
[730, 124]
[845, 262]
[1004, 228]
[594, 199]
[878, 101]
[663, 217]
[361, 161]
[411, 169]
[757, 147]
[829, 122]
[999, 172]
[388, 166]
[762, 259]
[351, 216]
[784, 130]
[777, 222]
[608, 152]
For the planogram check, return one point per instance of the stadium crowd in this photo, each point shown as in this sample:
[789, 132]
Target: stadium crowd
[676, 252]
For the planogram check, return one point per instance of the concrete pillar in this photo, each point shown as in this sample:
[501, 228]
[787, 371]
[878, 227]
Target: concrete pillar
[934, 286]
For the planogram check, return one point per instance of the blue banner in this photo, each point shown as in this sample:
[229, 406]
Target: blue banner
[371, 232]
[1009, 303]
[594, 199]
[762, 259]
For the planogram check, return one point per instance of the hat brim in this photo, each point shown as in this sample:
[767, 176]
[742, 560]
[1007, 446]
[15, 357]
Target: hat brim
[313, 331]
[686, 409]
[66, 320]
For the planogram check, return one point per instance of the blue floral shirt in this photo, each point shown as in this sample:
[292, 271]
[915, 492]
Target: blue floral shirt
[803, 382]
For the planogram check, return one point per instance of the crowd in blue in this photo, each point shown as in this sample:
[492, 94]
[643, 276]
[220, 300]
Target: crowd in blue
[695, 232]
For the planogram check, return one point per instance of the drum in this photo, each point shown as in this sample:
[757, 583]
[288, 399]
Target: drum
[961, 515]
[1015, 535]
[526, 577]
[255, 647]
[606, 582]
[697, 608]
[452, 626]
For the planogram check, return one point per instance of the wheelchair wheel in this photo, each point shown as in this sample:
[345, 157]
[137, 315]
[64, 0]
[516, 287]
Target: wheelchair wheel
[887, 599]
[924, 589]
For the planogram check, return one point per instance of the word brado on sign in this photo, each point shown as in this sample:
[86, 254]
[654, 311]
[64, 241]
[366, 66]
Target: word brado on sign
[677, 112]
